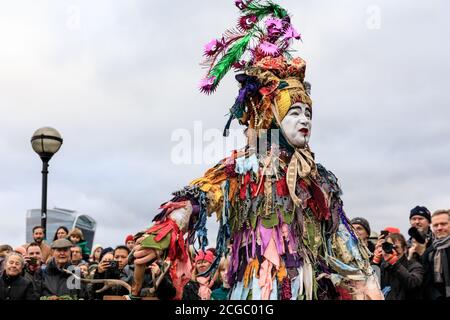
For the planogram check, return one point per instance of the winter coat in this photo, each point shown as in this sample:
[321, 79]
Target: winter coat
[126, 274]
[85, 252]
[190, 291]
[404, 278]
[36, 279]
[56, 282]
[431, 290]
[16, 288]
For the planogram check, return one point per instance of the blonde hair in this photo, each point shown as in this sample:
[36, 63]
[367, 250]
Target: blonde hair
[441, 212]
[223, 265]
[76, 232]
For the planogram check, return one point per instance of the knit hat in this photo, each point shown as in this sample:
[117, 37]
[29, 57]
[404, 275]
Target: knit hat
[392, 230]
[420, 211]
[129, 238]
[205, 255]
[362, 222]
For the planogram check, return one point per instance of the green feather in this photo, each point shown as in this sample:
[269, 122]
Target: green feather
[263, 10]
[233, 55]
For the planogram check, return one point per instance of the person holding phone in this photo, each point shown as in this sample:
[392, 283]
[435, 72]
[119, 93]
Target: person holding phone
[113, 265]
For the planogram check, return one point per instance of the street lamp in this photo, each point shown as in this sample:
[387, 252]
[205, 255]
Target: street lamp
[46, 142]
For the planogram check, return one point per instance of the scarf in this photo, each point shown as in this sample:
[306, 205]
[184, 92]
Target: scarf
[302, 164]
[441, 267]
[204, 291]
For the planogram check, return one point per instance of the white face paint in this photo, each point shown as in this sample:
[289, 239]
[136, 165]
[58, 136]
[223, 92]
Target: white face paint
[296, 125]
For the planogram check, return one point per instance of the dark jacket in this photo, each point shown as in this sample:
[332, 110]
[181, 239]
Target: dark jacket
[190, 291]
[431, 290]
[126, 274]
[36, 279]
[16, 288]
[56, 282]
[404, 278]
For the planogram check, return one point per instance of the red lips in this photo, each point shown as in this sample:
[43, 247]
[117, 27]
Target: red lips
[304, 131]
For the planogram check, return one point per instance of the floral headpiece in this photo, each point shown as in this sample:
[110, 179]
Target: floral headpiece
[258, 49]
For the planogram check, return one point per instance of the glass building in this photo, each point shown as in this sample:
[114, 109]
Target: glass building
[57, 217]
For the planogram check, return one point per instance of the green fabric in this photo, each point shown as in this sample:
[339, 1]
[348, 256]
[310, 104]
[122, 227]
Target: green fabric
[84, 248]
[288, 216]
[150, 242]
[270, 221]
[220, 294]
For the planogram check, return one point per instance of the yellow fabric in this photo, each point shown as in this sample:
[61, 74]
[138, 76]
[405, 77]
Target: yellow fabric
[211, 183]
[282, 273]
[249, 270]
[284, 103]
[302, 164]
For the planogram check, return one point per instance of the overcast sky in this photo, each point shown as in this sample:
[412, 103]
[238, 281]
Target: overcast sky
[119, 78]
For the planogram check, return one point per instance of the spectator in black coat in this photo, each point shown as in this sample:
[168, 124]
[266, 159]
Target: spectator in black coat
[437, 259]
[13, 286]
[56, 282]
[401, 279]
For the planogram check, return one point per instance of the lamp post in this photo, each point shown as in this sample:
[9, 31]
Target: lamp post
[46, 142]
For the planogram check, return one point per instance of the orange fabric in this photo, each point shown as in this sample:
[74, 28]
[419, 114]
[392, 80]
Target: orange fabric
[249, 271]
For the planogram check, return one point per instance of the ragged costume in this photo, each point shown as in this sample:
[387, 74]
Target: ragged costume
[280, 215]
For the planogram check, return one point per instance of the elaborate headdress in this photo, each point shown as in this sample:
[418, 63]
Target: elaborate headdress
[258, 49]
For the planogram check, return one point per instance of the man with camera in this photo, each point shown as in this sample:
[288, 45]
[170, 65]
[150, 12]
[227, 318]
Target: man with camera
[33, 266]
[420, 232]
[401, 279]
[436, 258]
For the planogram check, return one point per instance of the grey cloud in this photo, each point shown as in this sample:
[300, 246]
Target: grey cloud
[120, 85]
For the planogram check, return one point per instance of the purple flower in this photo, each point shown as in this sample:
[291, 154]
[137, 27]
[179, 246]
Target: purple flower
[207, 84]
[212, 47]
[247, 22]
[291, 33]
[240, 4]
[269, 49]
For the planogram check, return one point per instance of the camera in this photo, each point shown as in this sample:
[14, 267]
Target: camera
[114, 265]
[384, 233]
[388, 247]
[417, 235]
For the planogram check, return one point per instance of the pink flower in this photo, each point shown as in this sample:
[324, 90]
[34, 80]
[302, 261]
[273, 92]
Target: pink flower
[275, 23]
[291, 33]
[269, 49]
[212, 47]
[207, 84]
